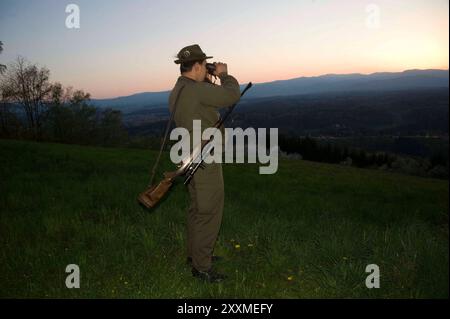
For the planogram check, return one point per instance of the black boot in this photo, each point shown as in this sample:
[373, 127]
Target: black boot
[210, 276]
[213, 259]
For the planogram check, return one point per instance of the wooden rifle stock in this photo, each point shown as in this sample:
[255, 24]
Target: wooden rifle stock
[152, 195]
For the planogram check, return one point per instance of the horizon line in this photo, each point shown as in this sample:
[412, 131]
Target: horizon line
[314, 76]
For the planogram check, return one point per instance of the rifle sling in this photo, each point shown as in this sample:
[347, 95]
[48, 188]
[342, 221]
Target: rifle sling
[163, 144]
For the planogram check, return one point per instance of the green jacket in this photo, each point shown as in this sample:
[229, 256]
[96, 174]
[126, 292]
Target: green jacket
[201, 100]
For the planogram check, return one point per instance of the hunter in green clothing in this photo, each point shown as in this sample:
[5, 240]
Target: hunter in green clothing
[197, 99]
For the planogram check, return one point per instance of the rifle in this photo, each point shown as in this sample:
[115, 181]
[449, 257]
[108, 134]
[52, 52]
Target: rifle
[153, 194]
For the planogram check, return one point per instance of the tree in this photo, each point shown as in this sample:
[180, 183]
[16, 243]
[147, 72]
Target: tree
[29, 86]
[58, 126]
[8, 120]
[9, 123]
[70, 118]
[112, 131]
[2, 66]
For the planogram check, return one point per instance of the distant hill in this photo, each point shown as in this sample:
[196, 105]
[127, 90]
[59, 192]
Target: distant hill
[380, 81]
[134, 102]
[391, 81]
[421, 112]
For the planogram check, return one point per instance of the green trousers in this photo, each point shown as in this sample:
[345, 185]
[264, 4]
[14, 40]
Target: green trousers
[204, 218]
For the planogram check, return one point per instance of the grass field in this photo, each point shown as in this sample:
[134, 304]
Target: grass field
[307, 231]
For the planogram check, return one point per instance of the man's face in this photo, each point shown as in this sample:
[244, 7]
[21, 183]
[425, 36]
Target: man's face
[201, 71]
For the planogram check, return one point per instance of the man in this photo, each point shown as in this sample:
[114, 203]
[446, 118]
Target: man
[196, 99]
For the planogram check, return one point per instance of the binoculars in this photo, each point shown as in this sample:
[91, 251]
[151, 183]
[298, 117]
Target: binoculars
[211, 68]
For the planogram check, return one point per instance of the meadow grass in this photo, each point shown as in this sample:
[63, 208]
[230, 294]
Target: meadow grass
[308, 231]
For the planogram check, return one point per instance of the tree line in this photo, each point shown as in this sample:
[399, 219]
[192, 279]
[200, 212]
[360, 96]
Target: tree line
[33, 107]
[308, 148]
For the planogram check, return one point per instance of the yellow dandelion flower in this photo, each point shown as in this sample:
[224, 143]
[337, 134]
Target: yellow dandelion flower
[290, 278]
[237, 246]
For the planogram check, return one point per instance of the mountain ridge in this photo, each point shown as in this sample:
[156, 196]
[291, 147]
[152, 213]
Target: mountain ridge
[380, 81]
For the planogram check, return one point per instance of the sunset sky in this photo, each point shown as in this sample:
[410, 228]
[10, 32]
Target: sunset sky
[126, 47]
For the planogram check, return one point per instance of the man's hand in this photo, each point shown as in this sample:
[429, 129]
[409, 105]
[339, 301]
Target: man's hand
[208, 78]
[220, 68]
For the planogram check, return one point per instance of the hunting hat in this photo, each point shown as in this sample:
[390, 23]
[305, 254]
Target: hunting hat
[191, 53]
